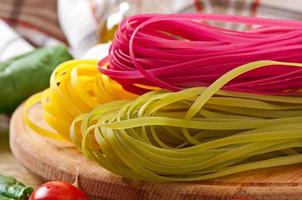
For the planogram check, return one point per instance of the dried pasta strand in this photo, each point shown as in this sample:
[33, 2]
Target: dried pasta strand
[179, 51]
[194, 134]
[76, 87]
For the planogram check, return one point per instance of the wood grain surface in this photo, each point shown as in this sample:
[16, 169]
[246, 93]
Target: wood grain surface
[9, 166]
[57, 160]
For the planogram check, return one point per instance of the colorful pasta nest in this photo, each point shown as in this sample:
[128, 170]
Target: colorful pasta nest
[211, 102]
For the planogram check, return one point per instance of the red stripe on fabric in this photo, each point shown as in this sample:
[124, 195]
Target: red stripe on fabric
[15, 12]
[254, 7]
[30, 26]
[253, 11]
[198, 5]
[92, 7]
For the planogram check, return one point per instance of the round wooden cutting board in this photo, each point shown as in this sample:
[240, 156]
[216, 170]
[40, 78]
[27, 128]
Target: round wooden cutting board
[57, 160]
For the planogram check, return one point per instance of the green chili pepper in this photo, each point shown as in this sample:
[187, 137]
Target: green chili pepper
[11, 189]
[24, 75]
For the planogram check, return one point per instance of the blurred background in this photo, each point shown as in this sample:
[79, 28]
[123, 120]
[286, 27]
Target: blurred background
[80, 24]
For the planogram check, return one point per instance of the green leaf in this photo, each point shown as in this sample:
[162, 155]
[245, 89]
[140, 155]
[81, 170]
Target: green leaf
[4, 198]
[24, 75]
[11, 189]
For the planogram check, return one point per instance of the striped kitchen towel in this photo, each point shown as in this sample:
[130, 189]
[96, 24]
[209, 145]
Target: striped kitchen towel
[77, 22]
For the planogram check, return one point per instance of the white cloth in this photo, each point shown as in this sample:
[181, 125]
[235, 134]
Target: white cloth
[80, 21]
[11, 44]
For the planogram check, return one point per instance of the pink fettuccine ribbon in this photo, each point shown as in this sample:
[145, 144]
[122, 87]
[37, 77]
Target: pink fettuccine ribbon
[180, 51]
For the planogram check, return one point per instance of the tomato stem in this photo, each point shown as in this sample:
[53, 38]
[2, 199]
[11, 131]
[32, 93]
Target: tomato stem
[76, 182]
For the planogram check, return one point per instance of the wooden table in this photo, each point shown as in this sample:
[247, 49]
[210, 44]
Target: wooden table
[9, 166]
[33, 151]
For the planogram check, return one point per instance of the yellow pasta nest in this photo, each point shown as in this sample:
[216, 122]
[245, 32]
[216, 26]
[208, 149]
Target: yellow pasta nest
[76, 87]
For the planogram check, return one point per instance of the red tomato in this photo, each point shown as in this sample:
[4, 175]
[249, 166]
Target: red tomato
[57, 190]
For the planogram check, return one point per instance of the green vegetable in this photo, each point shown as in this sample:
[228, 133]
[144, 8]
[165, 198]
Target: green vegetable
[24, 75]
[11, 189]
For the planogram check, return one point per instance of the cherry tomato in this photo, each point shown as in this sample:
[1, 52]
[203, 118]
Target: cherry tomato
[57, 190]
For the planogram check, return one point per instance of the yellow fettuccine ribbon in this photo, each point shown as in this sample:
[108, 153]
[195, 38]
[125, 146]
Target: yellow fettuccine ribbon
[76, 87]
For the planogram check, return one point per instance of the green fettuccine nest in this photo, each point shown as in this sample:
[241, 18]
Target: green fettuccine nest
[194, 134]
